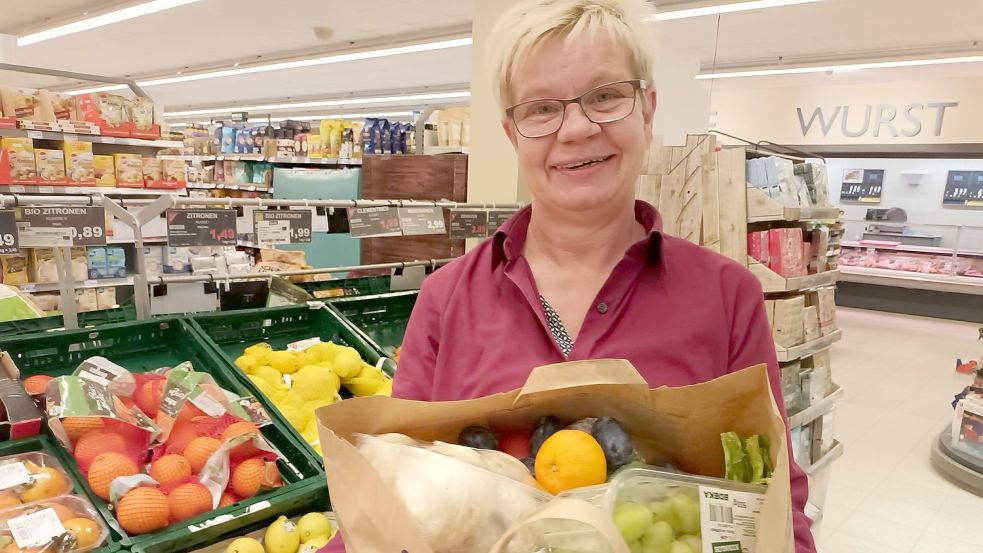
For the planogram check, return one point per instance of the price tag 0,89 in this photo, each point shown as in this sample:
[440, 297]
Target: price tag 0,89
[9, 244]
[61, 226]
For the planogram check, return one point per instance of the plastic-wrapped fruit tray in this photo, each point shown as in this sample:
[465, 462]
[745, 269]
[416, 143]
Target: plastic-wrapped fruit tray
[61, 523]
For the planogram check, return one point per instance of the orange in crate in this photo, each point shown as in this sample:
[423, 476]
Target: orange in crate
[95, 442]
[105, 468]
[37, 384]
[189, 500]
[199, 450]
[247, 477]
[226, 500]
[170, 469]
[76, 427]
[143, 510]
[147, 396]
[235, 430]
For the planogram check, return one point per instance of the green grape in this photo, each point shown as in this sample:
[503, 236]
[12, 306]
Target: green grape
[632, 520]
[635, 547]
[687, 512]
[658, 538]
[680, 547]
[662, 510]
[694, 542]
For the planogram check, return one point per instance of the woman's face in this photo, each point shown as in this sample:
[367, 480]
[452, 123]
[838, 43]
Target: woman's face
[552, 165]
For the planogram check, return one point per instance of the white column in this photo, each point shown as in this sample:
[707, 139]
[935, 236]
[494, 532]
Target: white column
[8, 49]
[683, 103]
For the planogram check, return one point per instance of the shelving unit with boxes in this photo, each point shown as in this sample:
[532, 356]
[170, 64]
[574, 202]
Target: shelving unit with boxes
[704, 194]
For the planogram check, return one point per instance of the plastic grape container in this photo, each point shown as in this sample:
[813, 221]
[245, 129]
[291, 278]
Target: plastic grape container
[31, 477]
[65, 523]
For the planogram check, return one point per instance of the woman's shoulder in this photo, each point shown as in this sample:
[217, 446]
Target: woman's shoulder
[474, 268]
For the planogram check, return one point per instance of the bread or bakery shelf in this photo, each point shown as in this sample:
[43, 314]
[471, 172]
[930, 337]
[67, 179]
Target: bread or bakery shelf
[817, 409]
[906, 279]
[87, 190]
[772, 282]
[808, 348]
[824, 462]
[761, 208]
[89, 283]
[96, 138]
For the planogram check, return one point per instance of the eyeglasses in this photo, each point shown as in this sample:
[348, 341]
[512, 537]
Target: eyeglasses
[605, 104]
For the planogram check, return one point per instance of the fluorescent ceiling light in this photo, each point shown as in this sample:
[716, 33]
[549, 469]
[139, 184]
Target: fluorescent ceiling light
[124, 14]
[727, 8]
[326, 103]
[838, 68]
[310, 62]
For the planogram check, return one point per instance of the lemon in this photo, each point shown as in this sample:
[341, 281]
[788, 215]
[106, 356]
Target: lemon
[294, 416]
[274, 394]
[269, 374]
[293, 399]
[313, 525]
[365, 385]
[323, 352]
[316, 382]
[385, 389]
[283, 361]
[347, 363]
[245, 545]
[313, 545]
[305, 358]
[247, 363]
[310, 433]
[281, 537]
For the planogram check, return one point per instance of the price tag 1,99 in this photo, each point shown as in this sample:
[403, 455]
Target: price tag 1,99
[9, 244]
[421, 220]
[201, 227]
[57, 227]
[282, 226]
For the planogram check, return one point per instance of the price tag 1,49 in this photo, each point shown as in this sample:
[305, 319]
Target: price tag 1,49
[57, 227]
[9, 244]
[201, 227]
[373, 221]
[421, 220]
[282, 226]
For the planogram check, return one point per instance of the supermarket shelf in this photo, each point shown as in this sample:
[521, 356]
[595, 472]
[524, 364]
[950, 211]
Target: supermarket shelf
[772, 282]
[261, 157]
[817, 409]
[226, 186]
[920, 281]
[761, 208]
[913, 249]
[436, 150]
[808, 348]
[87, 190]
[99, 139]
[193, 159]
[314, 160]
[833, 454]
[97, 283]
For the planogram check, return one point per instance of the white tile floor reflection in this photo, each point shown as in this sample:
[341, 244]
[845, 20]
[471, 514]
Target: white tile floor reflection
[898, 373]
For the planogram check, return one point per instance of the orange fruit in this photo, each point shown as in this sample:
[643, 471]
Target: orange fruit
[143, 510]
[247, 477]
[95, 442]
[199, 450]
[189, 500]
[235, 430]
[9, 499]
[76, 427]
[37, 384]
[85, 530]
[570, 459]
[105, 468]
[63, 511]
[147, 396]
[170, 469]
[227, 499]
[46, 482]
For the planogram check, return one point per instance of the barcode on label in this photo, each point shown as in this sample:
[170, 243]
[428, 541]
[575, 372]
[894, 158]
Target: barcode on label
[36, 528]
[13, 474]
[722, 513]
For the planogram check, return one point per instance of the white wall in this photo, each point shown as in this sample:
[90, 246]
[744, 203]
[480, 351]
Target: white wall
[683, 103]
[923, 202]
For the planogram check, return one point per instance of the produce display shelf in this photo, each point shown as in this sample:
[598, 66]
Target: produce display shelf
[919, 281]
[120, 314]
[957, 465]
[97, 138]
[87, 190]
[805, 350]
[88, 283]
[227, 186]
[380, 320]
[144, 346]
[833, 454]
[763, 209]
[772, 282]
[344, 287]
[817, 409]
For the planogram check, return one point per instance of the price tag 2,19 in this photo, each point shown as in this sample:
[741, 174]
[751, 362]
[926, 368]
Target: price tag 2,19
[47, 227]
[282, 226]
[421, 220]
[9, 244]
[201, 227]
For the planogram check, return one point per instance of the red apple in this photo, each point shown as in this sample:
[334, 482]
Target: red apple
[516, 443]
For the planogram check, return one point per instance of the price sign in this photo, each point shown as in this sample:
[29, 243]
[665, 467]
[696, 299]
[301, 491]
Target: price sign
[421, 220]
[964, 188]
[497, 218]
[470, 223]
[201, 227]
[373, 221]
[282, 227]
[8, 233]
[56, 227]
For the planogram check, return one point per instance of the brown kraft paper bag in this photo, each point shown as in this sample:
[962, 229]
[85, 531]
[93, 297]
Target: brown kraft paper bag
[681, 426]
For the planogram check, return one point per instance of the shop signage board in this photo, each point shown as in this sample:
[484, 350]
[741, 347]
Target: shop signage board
[468, 223]
[274, 226]
[201, 227]
[364, 222]
[416, 221]
[9, 244]
[964, 188]
[862, 185]
[60, 226]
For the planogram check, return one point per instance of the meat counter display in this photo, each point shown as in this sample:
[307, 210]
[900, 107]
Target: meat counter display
[894, 256]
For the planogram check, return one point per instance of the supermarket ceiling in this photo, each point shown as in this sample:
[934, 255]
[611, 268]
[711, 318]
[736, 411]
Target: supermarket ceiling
[210, 35]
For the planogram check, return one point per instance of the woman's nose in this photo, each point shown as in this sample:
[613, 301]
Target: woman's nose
[576, 125]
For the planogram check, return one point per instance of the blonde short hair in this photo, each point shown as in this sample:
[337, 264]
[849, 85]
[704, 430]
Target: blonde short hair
[521, 29]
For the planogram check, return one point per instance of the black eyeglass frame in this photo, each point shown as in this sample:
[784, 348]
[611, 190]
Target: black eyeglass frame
[638, 85]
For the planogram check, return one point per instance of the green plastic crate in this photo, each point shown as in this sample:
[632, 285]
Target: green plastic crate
[229, 333]
[123, 313]
[380, 320]
[146, 345]
[45, 444]
[346, 287]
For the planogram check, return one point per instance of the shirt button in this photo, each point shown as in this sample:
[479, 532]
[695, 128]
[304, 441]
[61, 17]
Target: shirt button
[602, 308]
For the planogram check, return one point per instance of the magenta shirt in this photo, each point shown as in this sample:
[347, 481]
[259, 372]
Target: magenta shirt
[680, 313]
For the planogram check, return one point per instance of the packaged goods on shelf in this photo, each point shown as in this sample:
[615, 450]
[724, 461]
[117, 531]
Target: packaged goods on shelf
[24, 104]
[785, 249]
[14, 269]
[152, 172]
[819, 250]
[140, 113]
[79, 166]
[14, 305]
[454, 128]
[177, 260]
[63, 107]
[967, 425]
[47, 301]
[104, 170]
[791, 375]
[787, 327]
[823, 436]
[824, 300]
[174, 173]
[106, 297]
[801, 444]
[129, 170]
[810, 323]
[107, 111]
[106, 262]
[154, 259]
[23, 167]
[50, 166]
[86, 300]
[42, 268]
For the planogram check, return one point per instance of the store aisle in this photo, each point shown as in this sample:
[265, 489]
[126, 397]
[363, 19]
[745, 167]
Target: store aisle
[899, 379]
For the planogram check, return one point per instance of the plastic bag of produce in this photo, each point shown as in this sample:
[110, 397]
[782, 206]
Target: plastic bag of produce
[678, 426]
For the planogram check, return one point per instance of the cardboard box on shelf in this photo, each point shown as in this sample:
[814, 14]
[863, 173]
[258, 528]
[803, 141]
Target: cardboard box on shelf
[787, 326]
[823, 436]
[810, 323]
[42, 268]
[107, 262]
[86, 300]
[791, 375]
[20, 154]
[819, 250]
[25, 104]
[152, 172]
[48, 301]
[14, 269]
[785, 252]
[825, 300]
[108, 111]
[50, 166]
[61, 107]
[757, 245]
[104, 170]
[106, 297]
[154, 258]
[177, 260]
[140, 111]
[79, 167]
[174, 172]
[129, 170]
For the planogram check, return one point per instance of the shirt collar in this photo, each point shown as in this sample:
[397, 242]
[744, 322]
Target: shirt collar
[509, 239]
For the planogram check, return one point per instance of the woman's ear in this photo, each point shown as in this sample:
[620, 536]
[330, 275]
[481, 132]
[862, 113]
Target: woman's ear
[510, 132]
[649, 101]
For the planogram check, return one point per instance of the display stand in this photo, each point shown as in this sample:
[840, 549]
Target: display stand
[965, 469]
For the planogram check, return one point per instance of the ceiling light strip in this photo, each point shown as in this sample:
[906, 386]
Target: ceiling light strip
[263, 120]
[325, 103]
[837, 68]
[727, 8]
[117, 16]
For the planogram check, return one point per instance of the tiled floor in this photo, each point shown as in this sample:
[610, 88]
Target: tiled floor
[884, 495]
